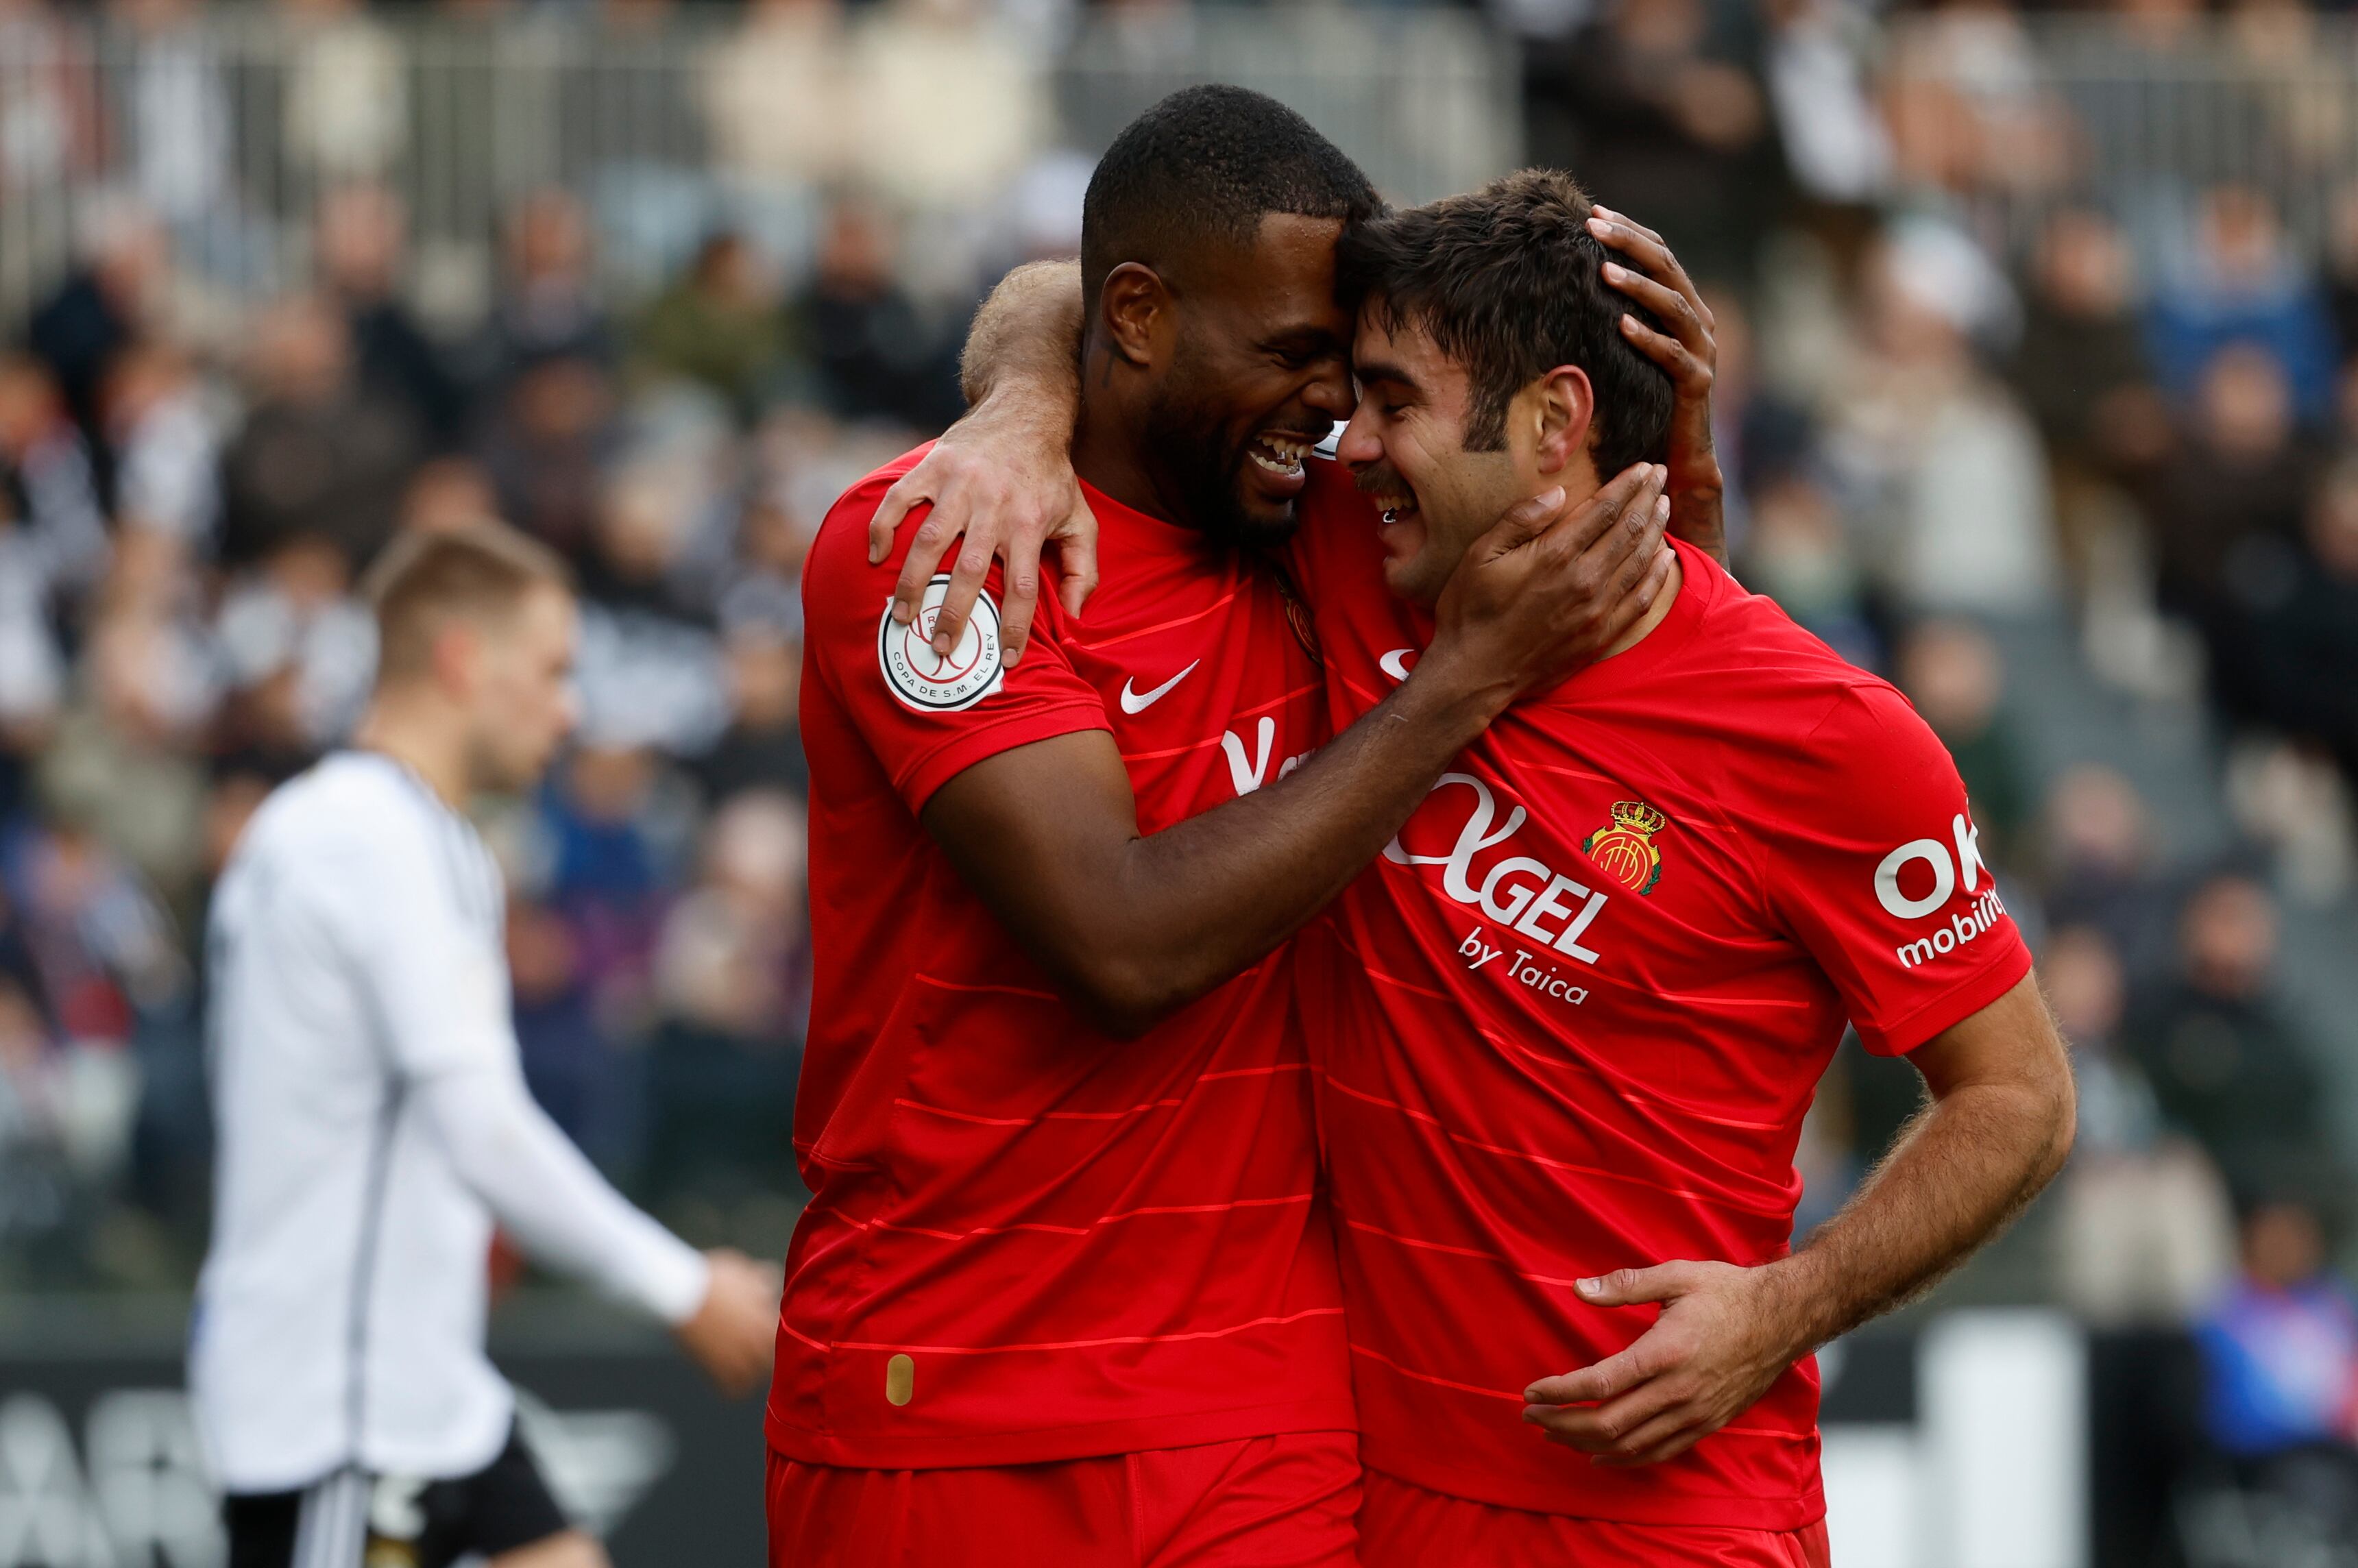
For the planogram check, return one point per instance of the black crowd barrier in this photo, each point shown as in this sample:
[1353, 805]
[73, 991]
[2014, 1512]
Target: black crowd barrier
[99, 1467]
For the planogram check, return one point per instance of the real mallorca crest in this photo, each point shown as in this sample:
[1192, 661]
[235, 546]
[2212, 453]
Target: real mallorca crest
[1626, 850]
[940, 683]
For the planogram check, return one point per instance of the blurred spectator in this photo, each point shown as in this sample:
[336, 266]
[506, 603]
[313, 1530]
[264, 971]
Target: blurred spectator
[1952, 672]
[1762, 433]
[877, 357]
[566, 1060]
[448, 492]
[119, 764]
[718, 325]
[320, 453]
[2228, 500]
[297, 652]
[166, 448]
[552, 430]
[547, 305]
[1835, 144]
[617, 821]
[732, 977]
[347, 105]
[48, 100]
[2099, 868]
[778, 88]
[2239, 281]
[2280, 1355]
[180, 122]
[1968, 104]
[361, 236]
[2226, 1062]
[38, 1194]
[107, 952]
[1659, 104]
[47, 490]
[1952, 490]
[775, 529]
[2306, 631]
[1797, 552]
[762, 748]
[2081, 366]
[946, 104]
[2143, 1231]
[2341, 270]
[649, 666]
[101, 305]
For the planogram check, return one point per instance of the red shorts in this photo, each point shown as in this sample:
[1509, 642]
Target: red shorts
[1403, 1526]
[1262, 1502]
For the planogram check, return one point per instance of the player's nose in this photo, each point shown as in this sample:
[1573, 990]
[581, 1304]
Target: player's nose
[1329, 391]
[1358, 446]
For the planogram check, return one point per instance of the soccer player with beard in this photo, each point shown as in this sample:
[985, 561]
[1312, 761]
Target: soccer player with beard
[1573, 1017]
[1066, 1292]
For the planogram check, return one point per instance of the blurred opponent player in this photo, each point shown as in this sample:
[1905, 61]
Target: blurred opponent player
[373, 1120]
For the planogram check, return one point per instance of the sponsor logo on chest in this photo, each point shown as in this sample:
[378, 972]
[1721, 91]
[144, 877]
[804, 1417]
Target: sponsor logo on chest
[1540, 920]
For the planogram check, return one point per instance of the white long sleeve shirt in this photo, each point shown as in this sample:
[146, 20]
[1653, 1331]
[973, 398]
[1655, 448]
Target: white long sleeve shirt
[374, 1126]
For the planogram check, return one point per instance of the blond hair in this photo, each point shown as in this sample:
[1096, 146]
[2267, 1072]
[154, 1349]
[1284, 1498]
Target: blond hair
[479, 571]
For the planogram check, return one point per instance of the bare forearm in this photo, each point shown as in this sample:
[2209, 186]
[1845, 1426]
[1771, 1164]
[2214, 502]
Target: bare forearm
[1026, 338]
[1957, 1173]
[1208, 897]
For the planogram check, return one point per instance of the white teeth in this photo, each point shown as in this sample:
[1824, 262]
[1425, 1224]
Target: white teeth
[1286, 462]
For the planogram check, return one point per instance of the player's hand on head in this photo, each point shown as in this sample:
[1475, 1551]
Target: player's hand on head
[1724, 1335]
[1687, 348]
[1003, 489]
[732, 1335]
[1553, 584]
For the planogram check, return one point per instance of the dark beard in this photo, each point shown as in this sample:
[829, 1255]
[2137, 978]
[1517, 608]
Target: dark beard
[1205, 471]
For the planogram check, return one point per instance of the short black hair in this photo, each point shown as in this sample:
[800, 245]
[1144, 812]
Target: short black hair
[1508, 280]
[1208, 163]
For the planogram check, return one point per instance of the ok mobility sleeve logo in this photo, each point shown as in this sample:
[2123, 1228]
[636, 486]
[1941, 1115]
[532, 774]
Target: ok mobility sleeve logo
[1921, 858]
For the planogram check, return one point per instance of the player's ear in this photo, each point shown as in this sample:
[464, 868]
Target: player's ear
[1138, 313]
[1564, 404]
[456, 651]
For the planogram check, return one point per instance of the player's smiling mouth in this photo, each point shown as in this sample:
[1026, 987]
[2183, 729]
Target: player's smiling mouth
[1282, 452]
[1395, 506]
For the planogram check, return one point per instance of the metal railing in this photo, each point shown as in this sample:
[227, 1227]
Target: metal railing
[2141, 121]
[231, 126]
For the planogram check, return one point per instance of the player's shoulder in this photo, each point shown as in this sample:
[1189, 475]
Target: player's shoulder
[1749, 643]
[839, 552]
[350, 812]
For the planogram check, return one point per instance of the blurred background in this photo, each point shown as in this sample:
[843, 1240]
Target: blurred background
[2038, 391]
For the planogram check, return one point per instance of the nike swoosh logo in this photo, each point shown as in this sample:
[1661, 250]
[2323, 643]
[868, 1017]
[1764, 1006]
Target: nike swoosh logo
[1139, 701]
[1395, 664]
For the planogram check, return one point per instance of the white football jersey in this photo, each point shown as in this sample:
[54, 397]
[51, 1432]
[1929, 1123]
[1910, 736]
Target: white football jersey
[373, 1127]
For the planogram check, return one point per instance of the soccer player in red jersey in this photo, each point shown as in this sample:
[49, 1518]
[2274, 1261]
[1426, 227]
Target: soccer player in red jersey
[1568, 1026]
[1065, 1293]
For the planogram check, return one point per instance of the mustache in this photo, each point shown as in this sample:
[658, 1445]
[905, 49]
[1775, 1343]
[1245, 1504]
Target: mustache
[1380, 478]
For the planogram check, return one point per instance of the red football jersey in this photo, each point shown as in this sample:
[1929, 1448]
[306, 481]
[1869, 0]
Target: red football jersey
[1027, 1240]
[1584, 999]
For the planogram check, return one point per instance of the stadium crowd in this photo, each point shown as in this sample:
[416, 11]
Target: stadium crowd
[1961, 392]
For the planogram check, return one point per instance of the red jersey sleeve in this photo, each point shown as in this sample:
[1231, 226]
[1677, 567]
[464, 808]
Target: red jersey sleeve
[928, 717]
[1873, 863]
